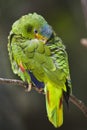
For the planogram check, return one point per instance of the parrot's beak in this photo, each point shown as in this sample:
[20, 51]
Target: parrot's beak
[40, 37]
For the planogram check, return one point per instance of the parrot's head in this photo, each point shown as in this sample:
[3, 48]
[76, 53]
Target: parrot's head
[32, 26]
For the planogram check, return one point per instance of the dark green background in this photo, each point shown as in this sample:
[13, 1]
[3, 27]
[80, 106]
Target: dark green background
[26, 111]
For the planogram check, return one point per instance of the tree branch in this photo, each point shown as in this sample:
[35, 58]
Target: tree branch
[84, 8]
[73, 99]
[79, 104]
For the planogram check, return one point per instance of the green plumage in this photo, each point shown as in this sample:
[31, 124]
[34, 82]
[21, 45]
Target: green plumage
[33, 46]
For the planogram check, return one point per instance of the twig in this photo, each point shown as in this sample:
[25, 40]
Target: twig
[17, 82]
[84, 8]
[79, 104]
[73, 99]
[12, 81]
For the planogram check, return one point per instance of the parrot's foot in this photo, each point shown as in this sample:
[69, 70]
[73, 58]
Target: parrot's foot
[40, 90]
[28, 87]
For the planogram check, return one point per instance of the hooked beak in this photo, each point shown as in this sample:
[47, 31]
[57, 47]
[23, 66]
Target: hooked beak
[40, 37]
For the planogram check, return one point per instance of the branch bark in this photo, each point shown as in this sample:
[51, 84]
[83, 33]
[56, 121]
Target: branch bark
[73, 99]
[79, 104]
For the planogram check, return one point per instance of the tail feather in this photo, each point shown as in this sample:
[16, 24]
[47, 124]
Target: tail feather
[54, 105]
[57, 117]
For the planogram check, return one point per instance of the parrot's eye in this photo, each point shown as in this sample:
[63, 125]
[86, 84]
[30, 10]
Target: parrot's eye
[35, 31]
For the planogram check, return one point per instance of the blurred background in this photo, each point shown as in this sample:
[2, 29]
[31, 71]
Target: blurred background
[23, 111]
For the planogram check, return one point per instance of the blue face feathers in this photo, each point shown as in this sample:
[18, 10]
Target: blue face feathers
[46, 31]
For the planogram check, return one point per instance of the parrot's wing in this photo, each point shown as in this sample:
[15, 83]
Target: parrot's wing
[60, 58]
[16, 55]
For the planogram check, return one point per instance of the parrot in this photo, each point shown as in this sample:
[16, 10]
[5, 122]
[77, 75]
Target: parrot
[38, 56]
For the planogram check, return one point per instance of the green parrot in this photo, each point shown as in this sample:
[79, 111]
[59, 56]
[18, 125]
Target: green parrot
[39, 57]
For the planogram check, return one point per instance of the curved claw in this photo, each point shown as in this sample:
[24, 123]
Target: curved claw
[28, 87]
